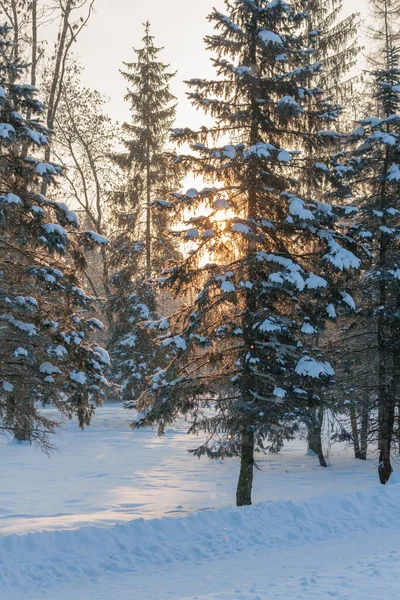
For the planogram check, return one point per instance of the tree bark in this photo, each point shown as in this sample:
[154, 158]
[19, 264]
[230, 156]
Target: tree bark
[386, 412]
[386, 422]
[245, 483]
[148, 218]
[34, 43]
[398, 429]
[354, 431]
[14, 8]
[57, 78]
[315, 435]
[364, 434]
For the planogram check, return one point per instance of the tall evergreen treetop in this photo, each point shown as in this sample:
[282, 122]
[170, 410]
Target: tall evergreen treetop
[246, 364]
[142, 246]
[335, 41]
[149, 175]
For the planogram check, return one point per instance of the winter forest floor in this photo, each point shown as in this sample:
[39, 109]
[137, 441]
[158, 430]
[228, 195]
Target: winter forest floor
[78, 515]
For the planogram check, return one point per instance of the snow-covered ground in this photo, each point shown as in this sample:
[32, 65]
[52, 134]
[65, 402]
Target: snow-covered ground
[109, 474]
[72, 527]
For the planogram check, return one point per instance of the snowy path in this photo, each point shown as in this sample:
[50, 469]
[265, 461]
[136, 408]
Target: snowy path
[365, 568]
[343, 546]
[109, 474]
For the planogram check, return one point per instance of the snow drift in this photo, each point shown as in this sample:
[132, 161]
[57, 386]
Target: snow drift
[52, 557]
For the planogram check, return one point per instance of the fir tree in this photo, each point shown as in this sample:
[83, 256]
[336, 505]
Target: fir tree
[45, 351]
[143, 245]
[268, 256]
[373, 173]
[335, 45]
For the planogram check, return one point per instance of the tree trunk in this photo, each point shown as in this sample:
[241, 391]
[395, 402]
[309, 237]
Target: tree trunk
[34, 42]
[386, 422]
[364, 434]
[354, 431]
[57, 79]
[386, 410]
[396, 371]
[315, 435]
[245, 483]
[18, 421]
[386, 366]
[23, 431]
[14, 9]
[148, 218]
[386, 413]
[34, 60]
[398, 429]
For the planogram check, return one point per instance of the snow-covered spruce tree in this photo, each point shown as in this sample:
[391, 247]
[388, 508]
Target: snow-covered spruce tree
[246, 368]
[142, 245]
[333, 42]
[45, 352]
[374, 173]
